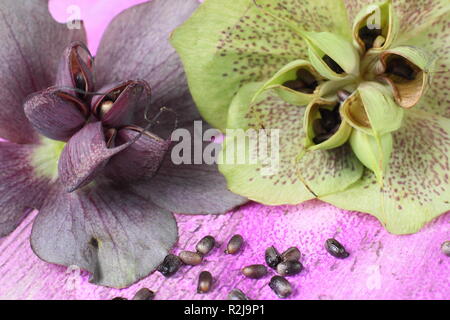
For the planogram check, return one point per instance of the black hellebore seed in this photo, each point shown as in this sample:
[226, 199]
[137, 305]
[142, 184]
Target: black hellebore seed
[305, 82]
[119, 298]
[368, 36]
[400, 68]
[204, 282]
[272, 257]
[291, 254]
[327, 125]
[190, 257]
[336, 249]
[280, 286]
[205, 245]
[445, 247]
[343, 95]
[254, 271]
[289, 268]
[332, 64]
[170, 265]
[235, 244]
[237, 294]
[144, 294]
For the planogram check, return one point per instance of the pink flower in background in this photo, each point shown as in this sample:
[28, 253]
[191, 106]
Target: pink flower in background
[380, 266]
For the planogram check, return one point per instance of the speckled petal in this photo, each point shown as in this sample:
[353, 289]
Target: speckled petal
[32, 44]
[243, 44]
[55, 114]
[436, 40]
[84, 156]
[297, 176]
[116, 235]
[21, 185]
[135, 46]
[141, 159]
[416, 183]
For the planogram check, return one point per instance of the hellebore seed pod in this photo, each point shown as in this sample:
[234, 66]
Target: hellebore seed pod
[205, 245]
[254, 271]
[235, 244]
[170, 265]
[190, 258]
[144, 294]
[280, 286]
[205, 280]
[289, 268]
[237, 294]
[272, 257]
[336, 249]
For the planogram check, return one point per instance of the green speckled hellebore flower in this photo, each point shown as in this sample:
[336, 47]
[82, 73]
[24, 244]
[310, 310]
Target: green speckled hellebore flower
[358, 89]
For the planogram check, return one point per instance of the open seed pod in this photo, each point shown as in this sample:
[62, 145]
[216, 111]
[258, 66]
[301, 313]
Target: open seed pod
[373, 153]
[120, 103]
[324, 126]
[75, 69]
[331, 55]
[407, 71]
[295, 83]
[372, 110]
[375, 27]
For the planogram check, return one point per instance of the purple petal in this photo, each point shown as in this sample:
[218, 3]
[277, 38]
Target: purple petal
[75, 69]
[55, 114]
[141, 159]
[123, 103]
[116, 235]
[135, 46]
[32, 43]
[20, 186]
[84, 156]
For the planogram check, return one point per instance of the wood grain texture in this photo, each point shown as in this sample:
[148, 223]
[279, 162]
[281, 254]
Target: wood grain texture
[380, 266]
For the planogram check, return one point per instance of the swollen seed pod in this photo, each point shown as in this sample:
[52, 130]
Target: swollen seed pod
[190, 258]
[205, 280]
[280, 286]
[237, 294]
[254, 271]
[170, 265]
[336, 249]
[272, 257]
[289, 268]
[291, 254]
[205, 245]
[144, 294]
[235, 244]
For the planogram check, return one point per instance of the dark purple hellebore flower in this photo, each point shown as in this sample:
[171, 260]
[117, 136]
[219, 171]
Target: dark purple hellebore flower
[104, 187]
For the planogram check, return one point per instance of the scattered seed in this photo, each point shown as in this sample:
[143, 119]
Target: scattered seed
[332, 64]
[119, 298]
[254, 271]
[170, 265]
[291, 254]
[336, 249]
[272, 257]
[144, 294]
[280, 286]
[204, 282]
[190, 257]
[445, 247]
[289, 268]
[205, 245]
[235, 244]
[237, 294]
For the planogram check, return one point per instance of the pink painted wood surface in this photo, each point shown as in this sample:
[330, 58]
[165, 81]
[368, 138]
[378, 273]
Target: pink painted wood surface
[380, 266]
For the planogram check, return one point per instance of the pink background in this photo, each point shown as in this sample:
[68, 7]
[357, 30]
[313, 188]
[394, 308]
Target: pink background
[380, 266]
